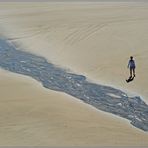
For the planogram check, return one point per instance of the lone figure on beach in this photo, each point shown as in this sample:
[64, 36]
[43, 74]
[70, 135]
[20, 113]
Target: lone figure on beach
[131, 66]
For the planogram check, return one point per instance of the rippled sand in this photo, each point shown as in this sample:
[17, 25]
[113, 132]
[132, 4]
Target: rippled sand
[93, 40]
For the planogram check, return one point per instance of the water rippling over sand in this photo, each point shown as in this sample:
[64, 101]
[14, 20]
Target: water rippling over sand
[102, 97]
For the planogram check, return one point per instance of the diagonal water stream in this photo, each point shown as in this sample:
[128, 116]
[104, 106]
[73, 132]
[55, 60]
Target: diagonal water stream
[55, 78]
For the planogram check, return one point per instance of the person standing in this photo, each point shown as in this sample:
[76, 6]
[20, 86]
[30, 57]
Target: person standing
[132, 66]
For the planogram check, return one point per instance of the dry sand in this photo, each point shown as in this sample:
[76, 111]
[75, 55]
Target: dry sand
[93, 40]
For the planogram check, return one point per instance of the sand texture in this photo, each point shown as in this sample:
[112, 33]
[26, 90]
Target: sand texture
[93, 40]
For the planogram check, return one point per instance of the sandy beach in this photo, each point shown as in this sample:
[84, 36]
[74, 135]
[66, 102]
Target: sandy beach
[94, 40]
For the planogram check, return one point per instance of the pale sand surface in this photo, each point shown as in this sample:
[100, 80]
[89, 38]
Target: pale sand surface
[92, 40]
[33, 115]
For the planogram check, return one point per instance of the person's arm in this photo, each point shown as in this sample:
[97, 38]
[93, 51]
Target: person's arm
[135, 64]
[128, 64]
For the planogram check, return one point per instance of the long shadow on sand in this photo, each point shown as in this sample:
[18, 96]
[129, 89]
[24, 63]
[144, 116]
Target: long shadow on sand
[102, 97]
[130, 79]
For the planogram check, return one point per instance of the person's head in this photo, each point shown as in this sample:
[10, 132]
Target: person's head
[131, 57]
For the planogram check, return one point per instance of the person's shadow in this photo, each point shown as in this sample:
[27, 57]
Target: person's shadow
[130, 79]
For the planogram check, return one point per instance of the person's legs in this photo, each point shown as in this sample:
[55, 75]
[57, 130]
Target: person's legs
[131, 72]
[134, 72]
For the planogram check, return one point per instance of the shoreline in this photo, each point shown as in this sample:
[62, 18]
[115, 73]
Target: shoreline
[58, 79]
[76, 100]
